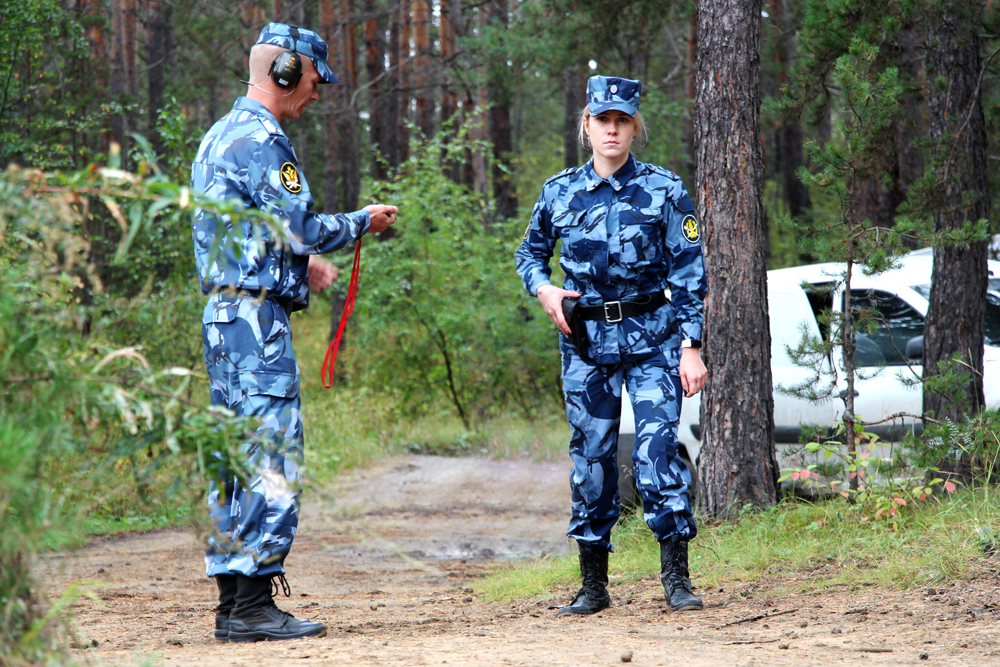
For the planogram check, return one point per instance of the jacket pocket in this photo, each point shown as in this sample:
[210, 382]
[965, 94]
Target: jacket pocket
[269, 383]
[641, 240]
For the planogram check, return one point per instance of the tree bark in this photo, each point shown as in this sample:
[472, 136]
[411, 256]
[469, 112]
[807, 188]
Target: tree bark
[403, 99]
[119, 121]
[501, 133]
[955, 317]
[789, 149]
[691, 87]
[422, 74]
[573, 102]
[390, 133]
[157, 53]
[375, 69]
[449, 99]
[738, 463]
[330, 31]
[348, 150]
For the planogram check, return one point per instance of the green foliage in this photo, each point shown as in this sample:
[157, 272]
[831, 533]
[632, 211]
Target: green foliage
[82, 408]
[442, 320]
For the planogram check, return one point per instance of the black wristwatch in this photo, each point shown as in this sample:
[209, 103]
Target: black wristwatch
[691, 342]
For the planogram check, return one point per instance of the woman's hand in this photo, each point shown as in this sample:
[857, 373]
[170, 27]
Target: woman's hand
[693, 371]
[551, 298]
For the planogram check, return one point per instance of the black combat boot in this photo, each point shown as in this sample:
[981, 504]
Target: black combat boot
[675, 577]
[256, 618]
[227, 600]
[593, 597]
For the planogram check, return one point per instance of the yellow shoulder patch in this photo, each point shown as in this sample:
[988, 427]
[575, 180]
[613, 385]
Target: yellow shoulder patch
[689, 228]
[290, 178]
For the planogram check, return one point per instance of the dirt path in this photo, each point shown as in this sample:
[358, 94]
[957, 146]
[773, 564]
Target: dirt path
[393, 566]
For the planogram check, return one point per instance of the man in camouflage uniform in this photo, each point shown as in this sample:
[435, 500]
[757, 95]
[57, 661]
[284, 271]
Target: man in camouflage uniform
[254, 284]
[627, 238]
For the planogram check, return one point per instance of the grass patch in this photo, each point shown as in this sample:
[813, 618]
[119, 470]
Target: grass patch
[798, 545]
[348, 427]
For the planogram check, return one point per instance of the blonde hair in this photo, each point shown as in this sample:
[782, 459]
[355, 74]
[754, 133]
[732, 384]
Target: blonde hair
[640, 136]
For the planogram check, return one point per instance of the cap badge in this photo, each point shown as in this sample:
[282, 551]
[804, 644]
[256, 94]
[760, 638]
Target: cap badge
[613, 89]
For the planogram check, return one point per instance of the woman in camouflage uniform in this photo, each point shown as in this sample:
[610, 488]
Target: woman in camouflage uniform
[629, 237]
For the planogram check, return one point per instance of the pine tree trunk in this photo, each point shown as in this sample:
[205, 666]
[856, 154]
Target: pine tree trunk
[501, 133]
[789, 148]
[390, 136]
[422, 64]
[573, 101]
[375, 69]
[737, 410]
[157, 52]
[348, 153]
[329, 29]
[403, 100]
[955, 316]
[691, 87]
[119, 122]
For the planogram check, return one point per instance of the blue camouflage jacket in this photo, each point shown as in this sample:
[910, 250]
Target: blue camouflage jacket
[246, 156]
[630, 234]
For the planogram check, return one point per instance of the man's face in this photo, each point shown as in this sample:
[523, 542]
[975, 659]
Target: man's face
[304, 94]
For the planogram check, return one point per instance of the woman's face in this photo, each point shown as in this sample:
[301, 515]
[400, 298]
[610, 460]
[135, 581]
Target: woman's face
[611, 134]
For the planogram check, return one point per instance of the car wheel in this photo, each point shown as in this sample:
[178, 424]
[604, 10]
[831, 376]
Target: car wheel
[627, 492]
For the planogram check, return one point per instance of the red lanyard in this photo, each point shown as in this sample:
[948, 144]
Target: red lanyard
[331, 352]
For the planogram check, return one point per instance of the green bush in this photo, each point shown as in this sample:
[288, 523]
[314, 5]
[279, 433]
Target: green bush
[442, 319]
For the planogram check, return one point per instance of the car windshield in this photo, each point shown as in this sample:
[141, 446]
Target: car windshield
[992, 308]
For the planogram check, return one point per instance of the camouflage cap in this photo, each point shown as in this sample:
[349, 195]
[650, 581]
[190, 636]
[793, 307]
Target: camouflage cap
[608, 93]
[300, 40]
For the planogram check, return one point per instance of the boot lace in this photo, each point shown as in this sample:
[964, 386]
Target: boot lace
[285, 588]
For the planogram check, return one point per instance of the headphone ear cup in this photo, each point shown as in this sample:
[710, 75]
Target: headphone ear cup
[286, 70]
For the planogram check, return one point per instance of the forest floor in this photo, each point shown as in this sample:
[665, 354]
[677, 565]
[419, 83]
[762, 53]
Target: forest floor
[392, 567]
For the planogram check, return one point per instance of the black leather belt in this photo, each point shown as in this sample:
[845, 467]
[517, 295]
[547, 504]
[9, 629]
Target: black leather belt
[616, 311]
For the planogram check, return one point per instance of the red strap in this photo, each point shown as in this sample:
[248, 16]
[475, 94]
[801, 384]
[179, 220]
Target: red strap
[331, 352]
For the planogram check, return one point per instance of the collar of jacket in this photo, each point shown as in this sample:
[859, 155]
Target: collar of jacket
[616, 180]
[255, 107]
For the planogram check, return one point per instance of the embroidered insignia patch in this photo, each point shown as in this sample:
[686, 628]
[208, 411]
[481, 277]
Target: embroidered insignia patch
[689, 228]
[290, 178]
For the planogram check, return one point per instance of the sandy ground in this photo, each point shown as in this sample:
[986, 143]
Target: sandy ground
[392, 567]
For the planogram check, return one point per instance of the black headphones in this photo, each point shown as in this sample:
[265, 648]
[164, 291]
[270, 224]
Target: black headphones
[286, 69]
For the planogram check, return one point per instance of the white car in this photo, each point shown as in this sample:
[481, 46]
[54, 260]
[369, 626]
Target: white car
[901, 296]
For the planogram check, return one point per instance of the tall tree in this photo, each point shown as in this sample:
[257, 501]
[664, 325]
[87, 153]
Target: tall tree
[737, 409]
[501, 134]
[789, 136]
[574, 99]
[954, 328]
[422, 74]
[375, 69]
[157, 54]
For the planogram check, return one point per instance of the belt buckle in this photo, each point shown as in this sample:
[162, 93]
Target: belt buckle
[607, 314]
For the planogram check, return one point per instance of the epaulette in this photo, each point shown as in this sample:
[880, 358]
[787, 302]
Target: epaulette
[656, 169]
[562, 173]
[272, 128]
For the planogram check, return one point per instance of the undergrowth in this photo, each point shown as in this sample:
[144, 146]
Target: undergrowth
[797, 546]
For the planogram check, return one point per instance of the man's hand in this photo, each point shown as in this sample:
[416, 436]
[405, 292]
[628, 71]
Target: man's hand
[322, 273]
[693, 371]
[382, 216]
[551, 298]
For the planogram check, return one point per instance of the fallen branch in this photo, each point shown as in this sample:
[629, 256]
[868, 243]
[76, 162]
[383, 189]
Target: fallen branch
[751, 619]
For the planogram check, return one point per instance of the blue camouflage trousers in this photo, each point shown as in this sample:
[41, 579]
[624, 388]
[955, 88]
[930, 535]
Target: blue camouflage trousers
[593, 395]
[252, 371]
